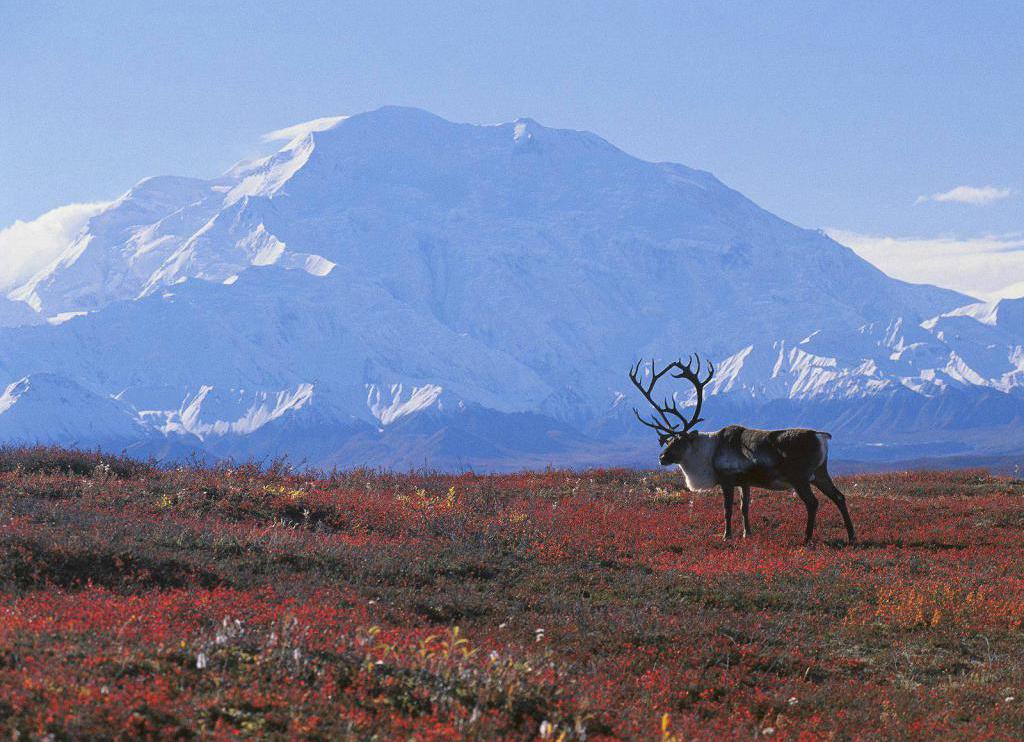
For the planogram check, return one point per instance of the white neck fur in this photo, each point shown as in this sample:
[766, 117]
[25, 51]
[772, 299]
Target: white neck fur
[697, 464]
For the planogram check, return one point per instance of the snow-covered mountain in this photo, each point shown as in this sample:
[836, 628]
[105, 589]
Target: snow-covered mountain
[392, 288]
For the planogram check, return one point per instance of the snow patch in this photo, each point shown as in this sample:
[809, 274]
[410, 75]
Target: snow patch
[59, 319]
[389, 406]
[958, 369]
[271, 409]
[12, 393]
[314, 265]
[265, 407]
[728, 371]
[261, 247]
[317, 265]
[985, 312]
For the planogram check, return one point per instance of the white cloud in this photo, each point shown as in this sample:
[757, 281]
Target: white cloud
[27, 247]
[989, 267]
[968, 195]
[301, 130]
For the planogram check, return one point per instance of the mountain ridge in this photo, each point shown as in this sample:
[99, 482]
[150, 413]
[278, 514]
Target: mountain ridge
[515, 269]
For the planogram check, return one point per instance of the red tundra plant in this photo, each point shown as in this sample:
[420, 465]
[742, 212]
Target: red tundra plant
[147, 602]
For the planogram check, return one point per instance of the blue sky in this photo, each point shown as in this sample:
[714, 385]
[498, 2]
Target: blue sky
[848, 116]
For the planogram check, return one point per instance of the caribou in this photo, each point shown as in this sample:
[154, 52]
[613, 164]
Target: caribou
[735, 456]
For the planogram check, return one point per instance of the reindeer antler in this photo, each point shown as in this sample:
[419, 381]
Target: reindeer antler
[692, 375]
[665, 427]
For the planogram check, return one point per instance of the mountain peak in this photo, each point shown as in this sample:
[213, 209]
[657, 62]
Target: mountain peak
[517, 267]
[394, 119]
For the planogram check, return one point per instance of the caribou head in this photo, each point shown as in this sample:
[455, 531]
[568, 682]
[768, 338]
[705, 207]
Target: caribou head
[675, 431]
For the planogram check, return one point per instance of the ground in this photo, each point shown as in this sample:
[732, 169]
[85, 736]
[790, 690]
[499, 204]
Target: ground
[216, 603]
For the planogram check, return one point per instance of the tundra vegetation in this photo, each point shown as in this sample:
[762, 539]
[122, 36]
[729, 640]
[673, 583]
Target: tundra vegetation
[140, 602]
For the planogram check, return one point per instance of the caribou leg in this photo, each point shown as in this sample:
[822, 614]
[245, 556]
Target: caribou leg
[803, 490]
[745, 509]
[828, 488]
[728, 491]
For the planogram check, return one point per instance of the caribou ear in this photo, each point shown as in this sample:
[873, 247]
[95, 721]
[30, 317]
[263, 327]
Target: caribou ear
[693, 435]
